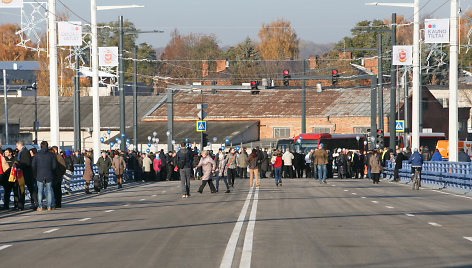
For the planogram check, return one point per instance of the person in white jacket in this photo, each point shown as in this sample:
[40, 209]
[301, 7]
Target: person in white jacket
[288, 157]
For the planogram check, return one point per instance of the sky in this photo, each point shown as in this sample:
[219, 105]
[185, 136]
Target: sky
[320, 21]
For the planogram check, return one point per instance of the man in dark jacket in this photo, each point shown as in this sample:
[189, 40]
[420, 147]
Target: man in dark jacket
[23, 162]
[58, 175]
[426, 154]
[44, 164]
[463, 157]
[104, 165]
[184, 160]
[398, 164]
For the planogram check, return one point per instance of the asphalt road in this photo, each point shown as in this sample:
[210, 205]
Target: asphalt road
[345, 223]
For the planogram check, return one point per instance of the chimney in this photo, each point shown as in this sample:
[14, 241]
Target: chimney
[204, 68]
[313, 62]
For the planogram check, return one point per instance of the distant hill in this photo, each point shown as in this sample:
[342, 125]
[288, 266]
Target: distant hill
[309, 48]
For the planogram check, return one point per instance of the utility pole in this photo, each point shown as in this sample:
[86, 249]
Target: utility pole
[170, 119]
[453, 84]
[201, 111]
[5, 101]
[95, 89]
[303, 100]
[121, 82]
[393, 88]
[135, 100]
[380, 114]
[373, 111]
[415, 113]
[405, 110]
[77, 128]
[53, 83]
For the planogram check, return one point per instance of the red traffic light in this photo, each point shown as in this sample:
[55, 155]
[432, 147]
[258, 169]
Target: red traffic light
[334, 72]
[253, 83]
[285, 72]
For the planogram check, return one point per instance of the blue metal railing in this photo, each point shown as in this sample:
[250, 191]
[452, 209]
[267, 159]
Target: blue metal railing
[76, 181]
[445, 174]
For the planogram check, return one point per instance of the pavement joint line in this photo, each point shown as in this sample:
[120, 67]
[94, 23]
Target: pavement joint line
[435, 224]
[465, 237]
[375, 202]
[85, 219]
[227, 261]
[409, 215]
[249, 238]
[389, 207]
[7, 246]
[110, 210]
[50, 231]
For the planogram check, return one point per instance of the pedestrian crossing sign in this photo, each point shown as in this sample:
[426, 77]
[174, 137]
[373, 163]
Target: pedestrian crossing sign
[400, 126]
[201, 126]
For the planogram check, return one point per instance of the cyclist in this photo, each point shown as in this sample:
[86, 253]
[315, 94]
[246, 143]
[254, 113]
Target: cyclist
[416, 161]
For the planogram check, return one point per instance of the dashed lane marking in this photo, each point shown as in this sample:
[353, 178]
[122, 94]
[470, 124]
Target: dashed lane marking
[154, 195]
[375, 202]
[363, 197]
[434, 224]
[50, 231]
[389, 207]
[409, 215]
[346, 190]
[248, 239]
[354, 194]
[107, 211]
[143, 199]
[85, 219]
[7, 246]
[468, 238]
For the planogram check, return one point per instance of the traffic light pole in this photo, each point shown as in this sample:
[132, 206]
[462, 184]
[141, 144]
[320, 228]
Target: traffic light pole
[380, 90]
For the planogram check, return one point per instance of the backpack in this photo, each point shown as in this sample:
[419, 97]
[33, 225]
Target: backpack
[181, 160]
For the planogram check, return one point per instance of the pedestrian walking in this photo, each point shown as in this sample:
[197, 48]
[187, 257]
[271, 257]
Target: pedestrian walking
[119, 166]
[147, 165]
[242, 162]
[58, 176]
[278, 168]
[208, 166]
[7, 160]
[375, 167]
[253, 171]
[288, 157]
[104, 164]
[157, 167]
[184, 159]
[320, 160]
[88, 171]
[231, 166]
[222, 171]
[23, 162]
[44, 163]
[398, 165]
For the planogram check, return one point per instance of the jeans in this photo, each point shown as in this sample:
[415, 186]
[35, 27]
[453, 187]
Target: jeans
[185, 175]
[218, 182]
[322, 170]
[47, 187]
[278, 175]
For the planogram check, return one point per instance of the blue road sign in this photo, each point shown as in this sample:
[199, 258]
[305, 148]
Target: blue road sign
[201, 126]
[400, 126]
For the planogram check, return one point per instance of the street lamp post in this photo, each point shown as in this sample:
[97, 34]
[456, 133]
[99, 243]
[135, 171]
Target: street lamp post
[453, 84]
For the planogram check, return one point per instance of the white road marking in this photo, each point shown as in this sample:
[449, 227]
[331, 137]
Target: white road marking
[333, 185]
[248, 239]
[354, 194]
[85, 219]
[346, 190]
[7, 246]
[154, 195]
[468, 238]
[227, 261]
[164, 191]
[434, 224]
[127, 205]
[50, 231]
[142, 199]
[375, 202]
[389, 207]
[409, 215]
[363, 197]
[107, 211]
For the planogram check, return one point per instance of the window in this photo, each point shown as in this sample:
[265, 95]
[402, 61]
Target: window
[321, 130]
[361, 130]
[281, 132]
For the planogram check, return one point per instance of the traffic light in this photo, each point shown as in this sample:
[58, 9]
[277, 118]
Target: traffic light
[286, 78]
[334, 77]
[254, 89]
[380, 138]
[205, 139]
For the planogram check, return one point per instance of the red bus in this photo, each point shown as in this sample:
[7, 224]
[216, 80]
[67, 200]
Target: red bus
[307, 141]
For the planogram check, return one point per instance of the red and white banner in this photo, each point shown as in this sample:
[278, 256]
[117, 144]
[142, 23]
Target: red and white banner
[108, 56]
[69, 33]
[402, 55]
[11, 3]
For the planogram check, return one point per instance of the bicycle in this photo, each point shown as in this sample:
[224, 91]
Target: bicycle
[416, 178]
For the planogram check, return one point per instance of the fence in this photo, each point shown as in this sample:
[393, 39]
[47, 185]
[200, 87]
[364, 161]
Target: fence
[77, 183]
[445, 174]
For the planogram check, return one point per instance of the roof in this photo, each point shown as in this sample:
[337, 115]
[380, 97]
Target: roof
[351, 102]
[22, 110]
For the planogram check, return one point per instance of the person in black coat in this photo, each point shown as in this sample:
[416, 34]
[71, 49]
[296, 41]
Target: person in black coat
[44, 165]
[298, 163]
[398, 164]
[463, 157]
[23, 162]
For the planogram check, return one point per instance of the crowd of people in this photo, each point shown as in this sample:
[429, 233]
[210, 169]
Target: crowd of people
[45, 171]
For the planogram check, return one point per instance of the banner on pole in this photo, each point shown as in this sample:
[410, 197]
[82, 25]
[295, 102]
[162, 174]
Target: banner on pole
[436, 31]
[11, 3]
[108, 56]
[69, 33]
[402, 55]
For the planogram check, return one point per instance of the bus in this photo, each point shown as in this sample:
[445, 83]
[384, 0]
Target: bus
[306, 141]
[284, 144]
[426, 139]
